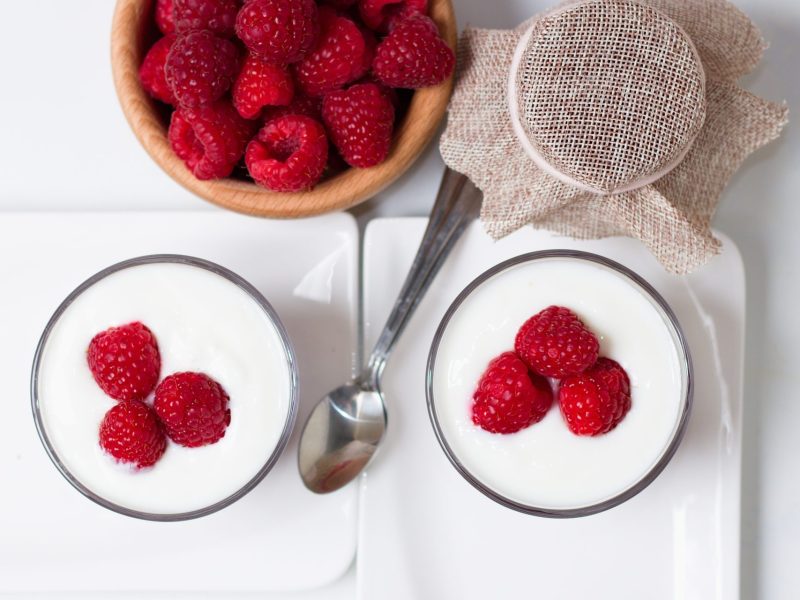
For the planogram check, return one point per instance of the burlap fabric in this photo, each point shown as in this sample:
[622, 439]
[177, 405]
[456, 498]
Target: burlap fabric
[629, 121]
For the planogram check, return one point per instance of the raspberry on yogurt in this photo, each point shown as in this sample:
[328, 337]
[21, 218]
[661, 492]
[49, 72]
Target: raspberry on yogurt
[125, 361]
[509, 397]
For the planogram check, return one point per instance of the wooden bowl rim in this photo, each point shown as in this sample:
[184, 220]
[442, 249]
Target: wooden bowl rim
[344, 190]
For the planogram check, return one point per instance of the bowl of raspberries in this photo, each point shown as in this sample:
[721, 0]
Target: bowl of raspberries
[284, 108]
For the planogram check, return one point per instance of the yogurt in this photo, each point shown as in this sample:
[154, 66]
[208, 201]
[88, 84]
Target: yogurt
[545, 466]
[203, 322]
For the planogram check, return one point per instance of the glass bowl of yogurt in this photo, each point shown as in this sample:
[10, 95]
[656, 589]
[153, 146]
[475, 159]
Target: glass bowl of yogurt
[205, 319]
[545, 469]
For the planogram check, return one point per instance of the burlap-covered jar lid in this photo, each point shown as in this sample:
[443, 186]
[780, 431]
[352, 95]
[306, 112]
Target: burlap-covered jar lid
[610, 117]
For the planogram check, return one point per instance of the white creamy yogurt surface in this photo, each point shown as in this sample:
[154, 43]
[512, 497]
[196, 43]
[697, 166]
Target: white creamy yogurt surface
[202, 322]
[545, 465]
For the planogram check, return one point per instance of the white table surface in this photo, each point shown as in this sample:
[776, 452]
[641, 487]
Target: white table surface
[65, 145]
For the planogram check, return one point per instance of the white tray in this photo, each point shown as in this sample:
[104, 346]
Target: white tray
[425, 533]
[278, 537]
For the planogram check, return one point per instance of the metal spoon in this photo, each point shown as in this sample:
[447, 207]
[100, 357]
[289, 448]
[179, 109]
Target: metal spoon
[344, 429]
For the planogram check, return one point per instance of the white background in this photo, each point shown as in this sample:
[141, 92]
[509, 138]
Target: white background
[64, 145]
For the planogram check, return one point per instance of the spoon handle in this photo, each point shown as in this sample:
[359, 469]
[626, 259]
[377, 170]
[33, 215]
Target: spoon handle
[457, 205]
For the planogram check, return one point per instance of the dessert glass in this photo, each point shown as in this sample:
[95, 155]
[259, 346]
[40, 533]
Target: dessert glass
[285, 349]
[460, 458]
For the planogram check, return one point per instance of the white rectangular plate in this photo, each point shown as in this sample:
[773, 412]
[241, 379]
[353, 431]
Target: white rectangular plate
[425, 533]
[278, 537]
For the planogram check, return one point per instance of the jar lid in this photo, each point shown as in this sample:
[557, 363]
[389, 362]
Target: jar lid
[607, 96]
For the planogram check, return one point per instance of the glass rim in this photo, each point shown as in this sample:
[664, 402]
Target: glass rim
[286, 346]
[687, 387]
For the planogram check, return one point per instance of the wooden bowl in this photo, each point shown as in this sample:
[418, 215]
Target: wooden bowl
[132, 32]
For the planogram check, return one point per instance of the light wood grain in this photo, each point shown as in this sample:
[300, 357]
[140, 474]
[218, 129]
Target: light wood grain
[427, 107]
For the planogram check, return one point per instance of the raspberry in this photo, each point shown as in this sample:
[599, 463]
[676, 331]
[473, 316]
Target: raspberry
[193, 409]
[556, 343]
[288, 154]
[209, 139]
[125, 361]
[280, 31]
[216, 16]
[381, 15]
[509, 397]
[261, 84]
[413, 55]
[595, 401]
[201, 67]
[131, 433]
[151, 73]
[164, 18]
[300, 105]
[360, 122]
[342, 54]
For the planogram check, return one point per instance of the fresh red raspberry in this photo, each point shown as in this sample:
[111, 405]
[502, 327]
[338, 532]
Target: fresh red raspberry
[595, 401]
[281, 31]
[125, 361]
[301, 104]
[413, 55]
[342, 54]
[216, 16]
[151, 73]
[381, 15]
[210, 139]
[556, 343]
[201, 67]
[288, 154]
[130, 432]
[164, 18]
[509, 397]
[261, 84]
[360, 120]
[193, 409]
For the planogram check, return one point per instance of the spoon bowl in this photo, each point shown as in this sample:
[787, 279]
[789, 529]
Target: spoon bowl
[340, 436]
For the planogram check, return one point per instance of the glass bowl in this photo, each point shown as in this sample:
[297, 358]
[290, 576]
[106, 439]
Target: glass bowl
[283, 347]
[468, 459]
